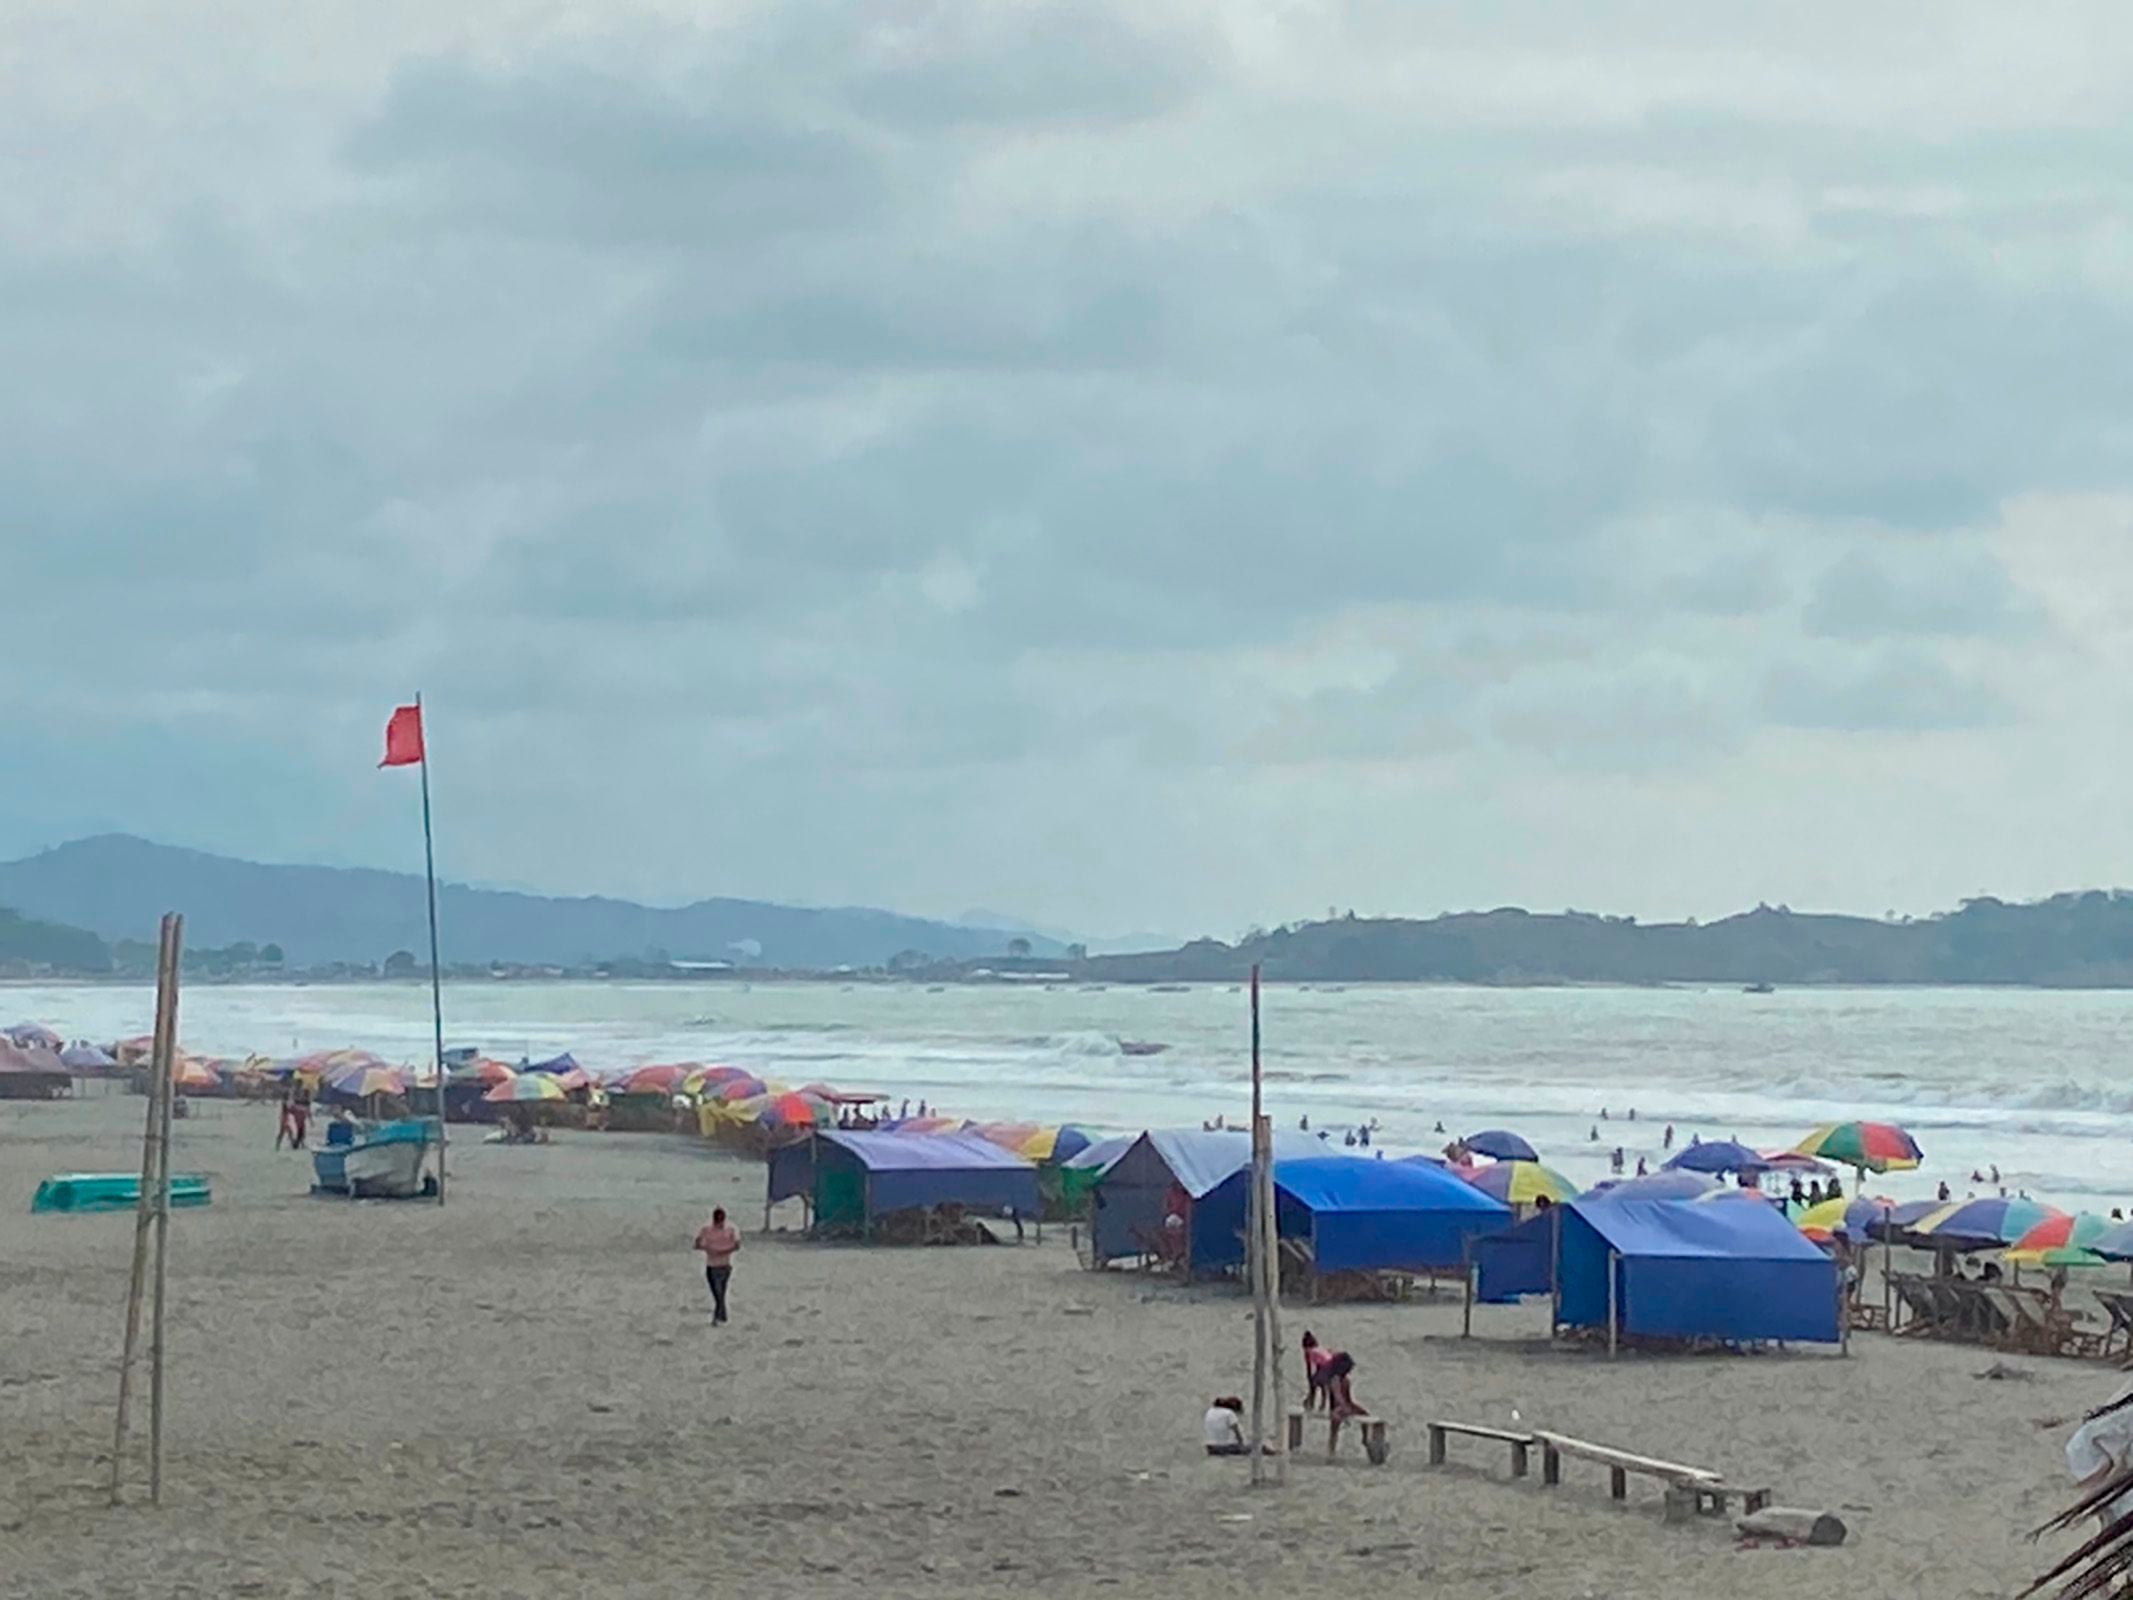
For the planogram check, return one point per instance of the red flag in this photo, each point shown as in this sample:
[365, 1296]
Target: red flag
[403, 737]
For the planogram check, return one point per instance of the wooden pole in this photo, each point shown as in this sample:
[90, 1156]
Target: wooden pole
[1466, 1315]
[429, 869]
[1555, 1271]
[1255, 1250]
[1614, 1305]
[159, 1076]
[167, 1049]
[1270, 1241]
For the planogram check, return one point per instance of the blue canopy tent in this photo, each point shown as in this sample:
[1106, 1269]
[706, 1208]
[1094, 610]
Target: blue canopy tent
[1518, 1261]
[1358, 1215]
[1665, 1269]
[852, 1180]
[1176, 1167]
[566, 1062]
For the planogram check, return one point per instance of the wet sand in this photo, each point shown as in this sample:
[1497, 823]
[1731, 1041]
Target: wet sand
[521, 1394]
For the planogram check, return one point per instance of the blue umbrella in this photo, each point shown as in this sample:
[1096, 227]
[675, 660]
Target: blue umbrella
[1718, 1155]
[2115, 1243]
[1655, 1186]
[1499, 1145]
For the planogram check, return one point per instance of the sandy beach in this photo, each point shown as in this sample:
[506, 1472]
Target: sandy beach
[522, 1394]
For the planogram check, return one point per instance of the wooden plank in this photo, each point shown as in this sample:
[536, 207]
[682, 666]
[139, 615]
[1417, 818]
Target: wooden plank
[1562, 1444]
[1474, 1430]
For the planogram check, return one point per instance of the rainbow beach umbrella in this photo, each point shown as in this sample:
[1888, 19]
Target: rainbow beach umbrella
[525, 1088]
[791, 1110]
[741, 1088]
[2061, 1241]
[191, 1075]
[1869, 1146]
[1980, 1224]
[1519, 1183]
[1842, 1217]
[663, 1078]
[361, 1082]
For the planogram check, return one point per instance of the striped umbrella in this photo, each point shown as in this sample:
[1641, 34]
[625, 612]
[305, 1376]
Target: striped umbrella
[482, 1069]
[2068, 1240]
[664, 1078]
[1850, 1218]
[1519, 1183]
[741, 1088]
[191, 1075]
[524, 1088]
[1976, 1224]
[360, 1083]
[1869, 1146]
[792, 1111]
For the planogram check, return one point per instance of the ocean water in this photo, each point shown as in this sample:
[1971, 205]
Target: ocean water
[2037, 1082]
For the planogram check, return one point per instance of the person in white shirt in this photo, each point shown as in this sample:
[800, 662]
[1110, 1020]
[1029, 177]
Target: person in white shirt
[2102, 1448]
[1224, 1427]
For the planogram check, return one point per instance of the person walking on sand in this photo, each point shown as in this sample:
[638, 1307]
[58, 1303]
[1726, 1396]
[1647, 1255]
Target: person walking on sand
[718, 1240]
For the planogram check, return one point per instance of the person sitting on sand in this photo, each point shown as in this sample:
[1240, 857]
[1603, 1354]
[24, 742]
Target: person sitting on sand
[1835, 1190]
[1224, 1427]
[1814, 1193]
[1799, 1191]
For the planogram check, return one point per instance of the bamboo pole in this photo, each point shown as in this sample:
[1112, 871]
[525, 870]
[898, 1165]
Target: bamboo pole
[158, 1091]
[429, 872]
[1255, 1250]
[166, 1050]
[1270, 1232]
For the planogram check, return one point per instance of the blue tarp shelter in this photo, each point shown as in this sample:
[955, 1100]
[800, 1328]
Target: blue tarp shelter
[1180, 1167]
[1358, 1214]
[1686, 1270]
[854, 1179]
[566, 1062]
[1518, 1261]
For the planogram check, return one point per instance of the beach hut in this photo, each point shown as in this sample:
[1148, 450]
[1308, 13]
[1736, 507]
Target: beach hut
[853, 1182]
[1353, 1215]
[1666, 1269]
[1170, 1171]
[32, 1074]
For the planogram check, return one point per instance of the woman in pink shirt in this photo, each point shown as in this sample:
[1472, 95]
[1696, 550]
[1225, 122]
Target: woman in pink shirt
[718, 1240]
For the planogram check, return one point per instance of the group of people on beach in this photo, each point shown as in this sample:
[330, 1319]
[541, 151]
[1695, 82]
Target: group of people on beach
[1328, 1381]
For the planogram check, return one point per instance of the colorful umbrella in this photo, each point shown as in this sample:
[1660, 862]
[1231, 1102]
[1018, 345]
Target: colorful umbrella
[1676, 1185]
[191, 1075]
[2062, 1241]
[1058, 1145]
[87, 1058]
[664, 1078]
[1975, 1224]
[572, 1081]
[1873, 1146]
[1717, 1155]
[27, 1034]
[481, 1070]
[741, 1088]
[522, 1088]
[360, 1083]
[698, 1078]
[792, 1111]
[1500, 1145]
[1519, 1183]
[926, 1125]
[1851, 1218]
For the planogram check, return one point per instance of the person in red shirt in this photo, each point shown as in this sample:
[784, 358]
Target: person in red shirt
[718, 1240]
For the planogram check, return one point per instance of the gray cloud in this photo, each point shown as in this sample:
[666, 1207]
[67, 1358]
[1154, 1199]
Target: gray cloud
[1153, 425]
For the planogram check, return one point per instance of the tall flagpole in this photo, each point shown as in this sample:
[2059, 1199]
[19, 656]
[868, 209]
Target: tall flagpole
[429, 867]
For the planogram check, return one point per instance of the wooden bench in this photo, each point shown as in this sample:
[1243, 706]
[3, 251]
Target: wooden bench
[1620, 1464]
[1377, 1444]
[1521, 1443]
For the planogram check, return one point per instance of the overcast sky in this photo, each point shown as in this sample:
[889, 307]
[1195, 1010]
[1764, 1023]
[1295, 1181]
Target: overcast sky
[1134, 465]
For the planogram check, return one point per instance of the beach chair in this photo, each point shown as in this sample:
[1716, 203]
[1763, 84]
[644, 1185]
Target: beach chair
[2119, 1308]
[1911, 1294]
[1953, 1317]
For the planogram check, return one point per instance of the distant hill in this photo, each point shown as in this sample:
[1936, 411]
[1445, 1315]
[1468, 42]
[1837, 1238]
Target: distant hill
[118, 886]
[29, 947]
[2077, 940]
